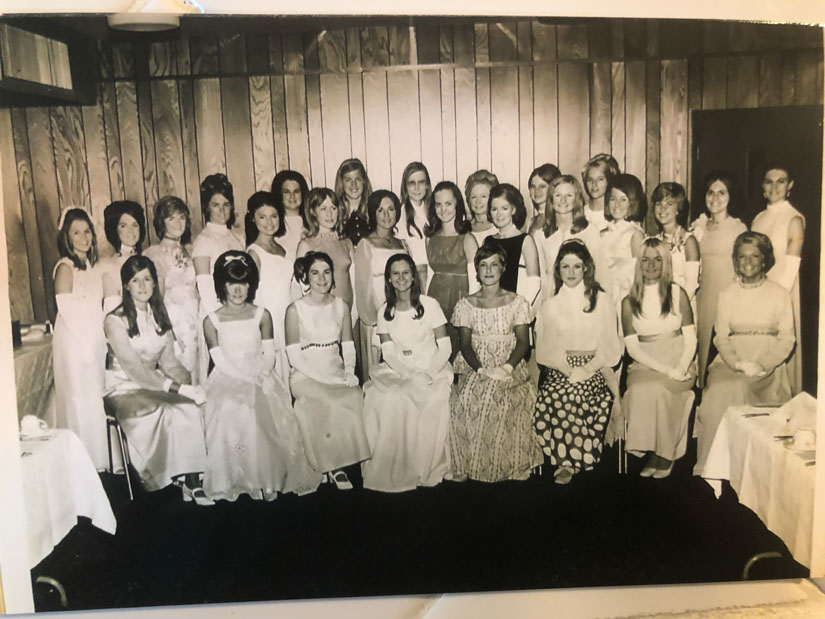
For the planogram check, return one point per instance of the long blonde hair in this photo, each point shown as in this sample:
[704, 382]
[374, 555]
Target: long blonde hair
[637, 290]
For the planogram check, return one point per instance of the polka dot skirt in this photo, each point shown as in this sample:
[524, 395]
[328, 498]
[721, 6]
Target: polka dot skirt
[571, 418]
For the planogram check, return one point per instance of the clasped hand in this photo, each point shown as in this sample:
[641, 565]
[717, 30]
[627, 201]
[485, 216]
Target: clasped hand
[679, 374]
[496, 373]
[195, 393]
[750, 368]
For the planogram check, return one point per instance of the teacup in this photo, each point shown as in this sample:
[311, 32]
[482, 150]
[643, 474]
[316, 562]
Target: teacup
[32, 425]
[804, 439]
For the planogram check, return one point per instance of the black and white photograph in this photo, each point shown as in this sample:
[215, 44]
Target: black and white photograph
[347, 306]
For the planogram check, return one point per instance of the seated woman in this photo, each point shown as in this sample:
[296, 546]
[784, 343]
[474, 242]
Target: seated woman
[577, 345]
[754, 338]
[328, 402]
[491, 437]
[661, 339]
[148, 389]
[407, 401]
[252, 441]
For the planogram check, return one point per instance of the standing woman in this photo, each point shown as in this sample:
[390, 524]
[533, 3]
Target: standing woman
[538, 183]
[79, 347]
[564, 219]
[353, 188]
[754, 336]
[505, 209]
[407, 400]
[623, 236]
[491, 437]
[264, 223]
[252, 441]
[666, 221]
[290, 190]
[596, 176]
[416, 190]
[577, 345]
[451, 250]
[477, 190]
[785, 226]
[125, 228]
[328, 402]
[371, 257]
[176, 280]
[325, 233]
[148, 390]
[657, 322]
[716, 231]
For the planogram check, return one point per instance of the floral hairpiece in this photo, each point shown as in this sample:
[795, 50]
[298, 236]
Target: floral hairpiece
[61, 218]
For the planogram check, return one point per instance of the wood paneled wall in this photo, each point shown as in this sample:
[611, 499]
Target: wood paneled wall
[457, 96]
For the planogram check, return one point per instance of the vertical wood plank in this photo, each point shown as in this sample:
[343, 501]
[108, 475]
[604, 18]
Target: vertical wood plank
[714, 80]
[257, 54]
[309, 41]
[716, 37]
[97, 166]
[356, 116]
[147, 147]
[483, 120]
[770, 80]
[616, 38]
[504, 123]
[674, 121]
[652, 47]
[104, 56]
[445, 43]
[599, 39]
[426, 36]
[46, 201]
[378, 136]
[572, 41]
[123, 59]
[525, 106]
[335, 117]
[296, 124]
[546, 113]
[332, 50]
[464, 45]
[429, 97]
[600, 108]
[189, 141]
[574, 117]
[232, 53]
[481, 43]
[544, 42]
[203, 52]
[353, 48]
[503, 41]
[238, 141]
[788, 79]
[17, 258]
[806, 78]
[694, 83]
[161, 59]
[653, 131]
[635, 37]
[465, 123]
[743, 81]
[316, 137]
[276, 54]
[263, 147]
[676, 36]
[70, 156]
[279, 130]
[617, 114]
[182, 56]
[405, 129]
[375, 47]
[209, 126]
[112, 140]
[166, 126]
[449, 138]
[131, 157]
[635, 118]
[399, 45]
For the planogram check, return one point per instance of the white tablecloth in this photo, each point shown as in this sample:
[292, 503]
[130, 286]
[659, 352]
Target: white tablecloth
[59, 484]
[773, 480]
[34, 379]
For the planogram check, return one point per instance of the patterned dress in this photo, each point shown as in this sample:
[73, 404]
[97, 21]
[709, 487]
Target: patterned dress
[491, 434]
[616, 240]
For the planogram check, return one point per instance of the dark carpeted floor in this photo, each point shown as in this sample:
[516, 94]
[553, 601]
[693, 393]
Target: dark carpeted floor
[601, 530]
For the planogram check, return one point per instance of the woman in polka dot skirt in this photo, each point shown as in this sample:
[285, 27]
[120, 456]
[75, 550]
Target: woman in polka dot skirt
[577, 344]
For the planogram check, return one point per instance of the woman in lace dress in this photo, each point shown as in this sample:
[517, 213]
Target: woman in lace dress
[623, 236]
[491, 410]
[252, 437]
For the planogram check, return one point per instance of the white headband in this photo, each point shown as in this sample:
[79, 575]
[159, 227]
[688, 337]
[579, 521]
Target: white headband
[63, 211]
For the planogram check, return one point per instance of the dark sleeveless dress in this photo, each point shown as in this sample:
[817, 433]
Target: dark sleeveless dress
[512, 249]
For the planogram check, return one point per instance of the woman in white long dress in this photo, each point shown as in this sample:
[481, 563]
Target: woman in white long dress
[596, 176]
[657, 322]
[407, 400]
[416, 190]
[371, 257]
[264, 224]
[754, 337]
[125, 229]
[177, 280]
[79, 348]
[477, 194]
[622, 238]
[290, 191]
[785, 226]
[537, 184]
[148, 389]
[252, 439]
[328, 401]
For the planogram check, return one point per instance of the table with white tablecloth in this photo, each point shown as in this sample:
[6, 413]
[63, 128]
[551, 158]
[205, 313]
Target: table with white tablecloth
[59, 484]
[769, 476]
[34, 379]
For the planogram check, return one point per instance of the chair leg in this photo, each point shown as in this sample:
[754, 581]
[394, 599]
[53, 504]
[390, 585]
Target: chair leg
[109, 442]
[124, 455]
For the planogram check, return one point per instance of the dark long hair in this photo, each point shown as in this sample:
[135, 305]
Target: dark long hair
[462, 225]
[630, 186]
[389, 290]
[727, 178]
[412, 168]
[375, 200]
[278, 186]
[111, 220]
[256, 201]
[513, 198]
[576, 247]
[214, 184]
[133, 266]
[64, 243]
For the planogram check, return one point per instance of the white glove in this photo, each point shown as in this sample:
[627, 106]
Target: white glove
[638, 354]
[579, 374]
[348, 353]
[749, 368]
[788, 275]
[529, 287]
[441, 357]
[677, 374]
[390, 354]
[206, 290]
[688, 348]
[299, 362]
[268, 356]
[350, 379]
[691, 278]
[196, 394]
[502, 372]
